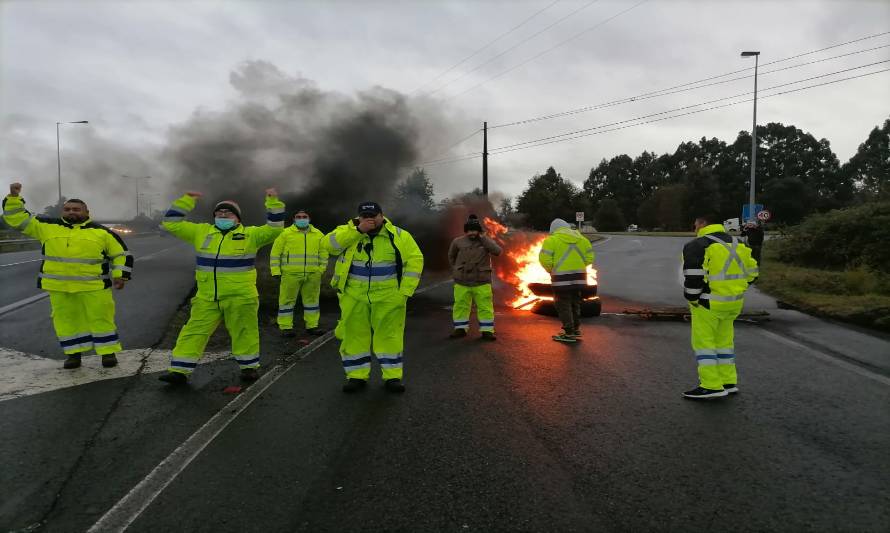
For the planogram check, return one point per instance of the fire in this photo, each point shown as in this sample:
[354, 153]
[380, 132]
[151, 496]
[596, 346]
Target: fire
[522, 266]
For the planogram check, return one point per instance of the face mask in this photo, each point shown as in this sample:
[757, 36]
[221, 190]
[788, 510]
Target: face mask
[224, 223]
[301, 223]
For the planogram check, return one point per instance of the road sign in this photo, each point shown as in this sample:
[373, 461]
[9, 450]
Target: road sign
[764, 215]
[579, 216]
[749, 214]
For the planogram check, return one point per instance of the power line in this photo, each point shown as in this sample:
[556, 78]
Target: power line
[667, 92]
[588, 131]
[474, 54]
[461, 141]
[517, 45]
[572, 38]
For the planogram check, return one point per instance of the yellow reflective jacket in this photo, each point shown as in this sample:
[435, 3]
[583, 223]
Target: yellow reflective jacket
[566, 254]
[224, 261]
[717, 269]
[298, 252]
[76, 257]
[375, 264]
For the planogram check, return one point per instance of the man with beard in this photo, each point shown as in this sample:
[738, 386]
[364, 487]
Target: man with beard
[82, 260]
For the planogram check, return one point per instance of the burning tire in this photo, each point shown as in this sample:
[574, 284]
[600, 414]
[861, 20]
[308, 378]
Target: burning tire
[589, 307]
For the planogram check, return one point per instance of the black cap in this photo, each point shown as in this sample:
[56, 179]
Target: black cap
[369, 208]
[473, 224]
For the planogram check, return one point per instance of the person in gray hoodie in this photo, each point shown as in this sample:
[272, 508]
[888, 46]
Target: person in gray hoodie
[565, 254]
[470, 260]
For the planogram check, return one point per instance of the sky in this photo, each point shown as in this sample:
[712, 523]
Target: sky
[142, 72]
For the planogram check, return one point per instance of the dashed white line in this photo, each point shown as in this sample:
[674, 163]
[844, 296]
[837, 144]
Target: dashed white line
[128, 508]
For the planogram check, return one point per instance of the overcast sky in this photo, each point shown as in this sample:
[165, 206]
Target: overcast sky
[135, 69]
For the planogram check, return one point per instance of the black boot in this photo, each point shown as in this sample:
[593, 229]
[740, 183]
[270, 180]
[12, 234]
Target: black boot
[315, 331]
[73, 361]
[354, 385]
[109, 360]
[174, 378]
[394, 385]
[249, 374]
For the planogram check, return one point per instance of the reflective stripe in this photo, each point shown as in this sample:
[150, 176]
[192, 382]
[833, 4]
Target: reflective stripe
[694, 272]
[411, 275]
[207, 240]
[76, 340]
[572, 248]
[486, 322]
[83, 261]
[372, 272]
[733, 258]
[462, 322]
[105, 339]
[71, 278]
[389, 360]
[725, 358]
[248, 360]
[727, 277]
[223, 269]
[707, 360]
[122, 268]
[214, 256]
[225, 263]
[581, 282]
[7, 212]
[354, 362]
[360, 277]
[275, 210]
[721, 298]
[692, 291]
[706, 351]
[184, 364]
[547, 252]
[334, 244]
[311, 307]
[24, 223]
[285, 310]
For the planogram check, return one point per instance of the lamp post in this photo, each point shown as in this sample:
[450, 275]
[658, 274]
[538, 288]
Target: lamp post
[751, 213]
[137, 188]
[59, 152]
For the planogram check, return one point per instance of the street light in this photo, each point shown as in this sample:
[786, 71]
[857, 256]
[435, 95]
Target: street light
[137, 188]
[59, 152]
[751, 213]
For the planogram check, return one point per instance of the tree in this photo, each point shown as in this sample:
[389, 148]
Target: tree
[505, 208]
[549, 196]
[416, 192]
[790, 198]
[609, 216]
[702, 192]
[55, 210]
[869, 168]
[619, 180]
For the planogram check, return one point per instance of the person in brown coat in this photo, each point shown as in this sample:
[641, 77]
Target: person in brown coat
[470, 260]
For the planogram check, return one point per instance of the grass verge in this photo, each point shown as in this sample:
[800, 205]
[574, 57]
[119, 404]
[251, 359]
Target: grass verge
[857, 296]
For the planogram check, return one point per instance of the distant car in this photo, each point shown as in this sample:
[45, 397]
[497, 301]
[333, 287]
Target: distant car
[119, 229]
[633, 227]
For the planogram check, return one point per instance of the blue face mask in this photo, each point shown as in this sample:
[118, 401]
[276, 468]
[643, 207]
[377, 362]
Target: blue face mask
[225, 223]
[301, 223]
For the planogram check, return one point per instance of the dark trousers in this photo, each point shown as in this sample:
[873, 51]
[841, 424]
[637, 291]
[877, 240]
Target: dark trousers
[755, 252]
[568, 306]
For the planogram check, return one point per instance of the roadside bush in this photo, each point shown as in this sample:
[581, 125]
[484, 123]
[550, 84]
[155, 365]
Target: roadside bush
[852, 238]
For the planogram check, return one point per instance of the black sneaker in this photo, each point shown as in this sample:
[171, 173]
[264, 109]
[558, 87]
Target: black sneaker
[174, 378]
[565, 338]
[288, 333]
[394, 385]
[73, 361]
[575, 334]
[315, 331]
[700, 393]
[354, 385]
[731, 388]
[458, 333]
[249, 374]
[109, 360]
[488, 336]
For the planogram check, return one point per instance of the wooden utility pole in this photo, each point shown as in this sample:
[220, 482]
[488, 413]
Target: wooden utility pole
[485, 158]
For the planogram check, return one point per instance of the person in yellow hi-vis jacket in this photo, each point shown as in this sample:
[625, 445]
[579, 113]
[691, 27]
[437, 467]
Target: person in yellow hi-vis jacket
[717, 269]
[226, 278]
[299, 258]
[378, 268]
[82, 260]
[565, 254]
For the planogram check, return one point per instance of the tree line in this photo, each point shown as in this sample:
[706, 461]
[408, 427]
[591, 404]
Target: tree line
[797, 175]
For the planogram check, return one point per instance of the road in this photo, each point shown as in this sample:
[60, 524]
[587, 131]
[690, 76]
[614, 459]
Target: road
[522, 434]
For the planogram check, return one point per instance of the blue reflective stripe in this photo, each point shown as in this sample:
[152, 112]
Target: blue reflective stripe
[486, 322]
[107, 338]
[285, 310]
[245, 362]
[389, 360]
[206, 261]
[78, 340]
[184, 364]
[703, 357]
[725, 355]
[311, 307]
[461, 322]
[357, 362]
[373, 271]
[274, 216]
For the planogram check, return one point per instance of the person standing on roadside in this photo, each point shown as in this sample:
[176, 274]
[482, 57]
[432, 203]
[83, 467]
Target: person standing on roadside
[470, 258]
[565, 254]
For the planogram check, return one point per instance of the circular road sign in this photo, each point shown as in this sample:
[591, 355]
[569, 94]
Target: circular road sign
[764, 215]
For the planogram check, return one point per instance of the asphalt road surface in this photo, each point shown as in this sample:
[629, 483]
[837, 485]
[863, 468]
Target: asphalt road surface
[523, 434]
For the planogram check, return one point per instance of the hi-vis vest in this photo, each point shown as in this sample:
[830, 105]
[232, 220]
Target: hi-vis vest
[566, 254]
[387, 262]
[224, 261]
[298, 252]
[717, 269]
[76, 257]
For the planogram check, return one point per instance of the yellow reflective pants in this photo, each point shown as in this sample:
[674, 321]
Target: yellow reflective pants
[464, 297]
[712, 340]
[308, 287]
[85, 320]
[240, 317]
[372, 328]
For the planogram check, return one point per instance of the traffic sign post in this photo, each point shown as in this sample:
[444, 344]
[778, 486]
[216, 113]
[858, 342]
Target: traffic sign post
[579, 216]
[749, 214]
[764, 215]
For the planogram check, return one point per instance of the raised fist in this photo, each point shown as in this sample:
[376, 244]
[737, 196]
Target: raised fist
[194, 194]
[271, 191]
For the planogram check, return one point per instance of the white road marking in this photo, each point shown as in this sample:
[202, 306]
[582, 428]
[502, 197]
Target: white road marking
[20, 262]
[128, 509]
[822, 356]
[26, 374]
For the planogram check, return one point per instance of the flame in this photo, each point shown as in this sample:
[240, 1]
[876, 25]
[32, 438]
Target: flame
[522, 266]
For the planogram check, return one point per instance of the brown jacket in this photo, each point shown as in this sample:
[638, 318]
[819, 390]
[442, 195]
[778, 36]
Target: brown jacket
[470, 260]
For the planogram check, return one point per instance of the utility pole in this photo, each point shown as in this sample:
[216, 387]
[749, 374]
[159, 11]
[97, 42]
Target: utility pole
[751, 213]
[485, 159]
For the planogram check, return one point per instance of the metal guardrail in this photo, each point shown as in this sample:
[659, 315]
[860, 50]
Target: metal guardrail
[32, 241]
